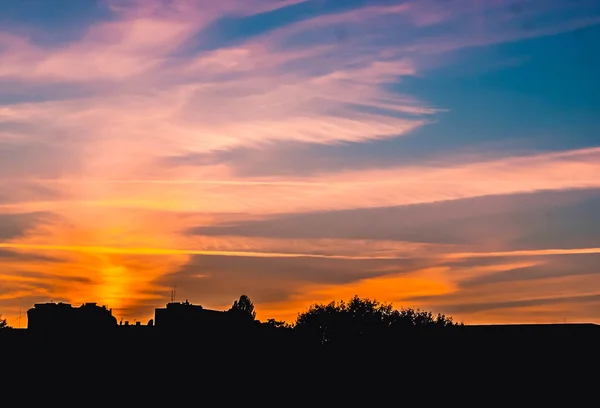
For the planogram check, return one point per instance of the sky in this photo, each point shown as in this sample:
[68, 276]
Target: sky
[435, 154]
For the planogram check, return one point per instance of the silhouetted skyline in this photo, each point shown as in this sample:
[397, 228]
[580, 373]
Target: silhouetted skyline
[341, 320]
[193, 350]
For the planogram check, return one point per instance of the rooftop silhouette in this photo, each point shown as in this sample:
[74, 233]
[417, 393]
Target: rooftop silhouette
[63, 316]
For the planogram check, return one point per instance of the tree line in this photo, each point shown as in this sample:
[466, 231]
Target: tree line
[358, 318]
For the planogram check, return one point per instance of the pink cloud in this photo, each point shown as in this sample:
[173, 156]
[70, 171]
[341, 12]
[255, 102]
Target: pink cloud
[114, 50]
[367, 188]
[194, 190]
[192, 101]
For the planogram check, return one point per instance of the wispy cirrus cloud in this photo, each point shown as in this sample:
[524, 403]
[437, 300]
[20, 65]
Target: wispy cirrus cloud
[161, 94]
[364, 188]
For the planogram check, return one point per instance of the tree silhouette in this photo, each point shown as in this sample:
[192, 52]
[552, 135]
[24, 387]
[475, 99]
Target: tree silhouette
[243, 307]
[3, 323]
[417, 318]
[363, 320]
[338, 322]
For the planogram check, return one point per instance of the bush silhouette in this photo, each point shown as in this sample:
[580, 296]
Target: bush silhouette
[3, 323]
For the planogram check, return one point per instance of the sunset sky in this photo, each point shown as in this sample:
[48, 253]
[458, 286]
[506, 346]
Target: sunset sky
[439, 154]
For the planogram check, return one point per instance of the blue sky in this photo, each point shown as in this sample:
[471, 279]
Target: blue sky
[433, 154]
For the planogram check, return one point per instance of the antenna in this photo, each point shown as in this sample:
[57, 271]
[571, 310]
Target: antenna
[174, 292]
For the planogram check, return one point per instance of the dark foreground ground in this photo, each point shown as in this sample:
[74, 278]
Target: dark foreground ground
[484, 367]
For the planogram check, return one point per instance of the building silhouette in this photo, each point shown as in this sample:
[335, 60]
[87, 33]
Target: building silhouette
[184, 315]
[63, 316]
[89, 316]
